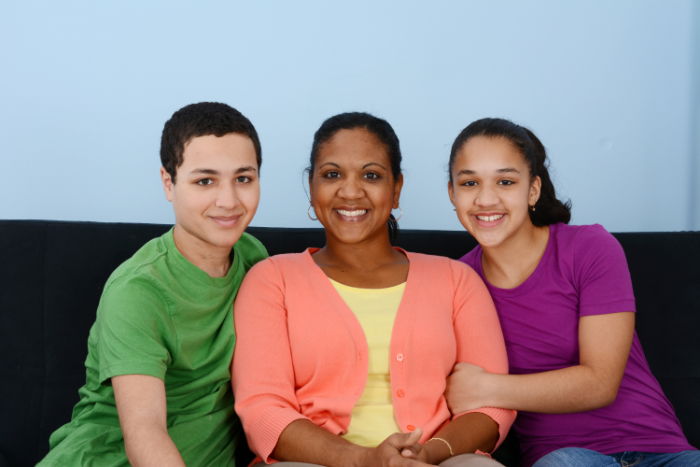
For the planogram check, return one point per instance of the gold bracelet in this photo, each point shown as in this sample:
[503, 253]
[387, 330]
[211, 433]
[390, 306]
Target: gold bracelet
[446, 443]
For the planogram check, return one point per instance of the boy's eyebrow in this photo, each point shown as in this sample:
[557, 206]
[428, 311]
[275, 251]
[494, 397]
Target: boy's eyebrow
[247, 168]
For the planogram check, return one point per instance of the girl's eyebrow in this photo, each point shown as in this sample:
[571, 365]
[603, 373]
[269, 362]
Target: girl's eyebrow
[500, 171]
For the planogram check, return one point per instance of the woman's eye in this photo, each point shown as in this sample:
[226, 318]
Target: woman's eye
[331, 174]
[372, 176]
[205, 181]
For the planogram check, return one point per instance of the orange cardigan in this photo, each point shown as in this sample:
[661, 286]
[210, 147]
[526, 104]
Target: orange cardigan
[301, 353]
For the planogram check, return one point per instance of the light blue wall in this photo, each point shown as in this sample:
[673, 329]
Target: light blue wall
[609, 87]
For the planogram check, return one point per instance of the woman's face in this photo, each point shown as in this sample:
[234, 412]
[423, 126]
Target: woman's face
[492, 190]
[352, 186]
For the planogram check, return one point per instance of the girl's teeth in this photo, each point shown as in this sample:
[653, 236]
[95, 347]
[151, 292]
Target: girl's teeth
[490, 218]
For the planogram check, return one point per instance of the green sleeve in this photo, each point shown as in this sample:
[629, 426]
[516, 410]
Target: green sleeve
[133, 327]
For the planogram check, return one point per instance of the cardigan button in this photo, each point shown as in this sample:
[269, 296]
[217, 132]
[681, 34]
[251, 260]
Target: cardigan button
[400, 393]
[410, 427]
[399, 357]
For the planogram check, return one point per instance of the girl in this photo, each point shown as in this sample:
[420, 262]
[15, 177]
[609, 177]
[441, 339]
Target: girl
[564, 296]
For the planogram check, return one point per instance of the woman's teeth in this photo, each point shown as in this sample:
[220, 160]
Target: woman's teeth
[355, 213]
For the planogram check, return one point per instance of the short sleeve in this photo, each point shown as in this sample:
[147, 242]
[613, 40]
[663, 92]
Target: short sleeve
[132, 325]
[602, 276]
[479, 337]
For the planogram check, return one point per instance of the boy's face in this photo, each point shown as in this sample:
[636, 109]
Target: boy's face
[215, 195]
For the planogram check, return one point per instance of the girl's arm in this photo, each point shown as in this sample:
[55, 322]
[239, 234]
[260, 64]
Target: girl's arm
[604, 344]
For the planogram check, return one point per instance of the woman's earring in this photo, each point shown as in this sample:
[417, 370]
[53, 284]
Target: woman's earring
[396, 218]
[308, 213]
[532, 208]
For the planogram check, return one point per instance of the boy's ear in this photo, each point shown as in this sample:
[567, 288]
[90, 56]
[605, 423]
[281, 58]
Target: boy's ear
[167, 183]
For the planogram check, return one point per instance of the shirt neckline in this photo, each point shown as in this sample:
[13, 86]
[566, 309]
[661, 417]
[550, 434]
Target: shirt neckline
[532, 280]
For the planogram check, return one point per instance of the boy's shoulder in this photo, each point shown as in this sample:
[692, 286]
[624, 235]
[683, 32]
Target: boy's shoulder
[144, 263]
[250, 250]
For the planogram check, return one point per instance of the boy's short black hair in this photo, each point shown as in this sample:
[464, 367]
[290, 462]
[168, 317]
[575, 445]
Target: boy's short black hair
[201, 119]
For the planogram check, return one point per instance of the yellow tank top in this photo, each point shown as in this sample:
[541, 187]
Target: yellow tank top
[373, 415]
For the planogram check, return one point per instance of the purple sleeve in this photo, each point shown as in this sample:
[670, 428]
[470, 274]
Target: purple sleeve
[602, 275]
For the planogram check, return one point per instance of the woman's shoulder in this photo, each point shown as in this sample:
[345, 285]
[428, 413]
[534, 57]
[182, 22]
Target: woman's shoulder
[281, 264]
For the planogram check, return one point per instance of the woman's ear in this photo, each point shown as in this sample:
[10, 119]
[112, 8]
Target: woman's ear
[398, 184]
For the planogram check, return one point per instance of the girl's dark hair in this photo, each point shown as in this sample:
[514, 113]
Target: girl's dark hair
[548, 209]
[375, 125]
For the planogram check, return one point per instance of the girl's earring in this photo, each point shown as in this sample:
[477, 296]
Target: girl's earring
[396, 218]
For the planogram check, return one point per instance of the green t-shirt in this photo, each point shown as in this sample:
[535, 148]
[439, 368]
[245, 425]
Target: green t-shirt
[162, 316]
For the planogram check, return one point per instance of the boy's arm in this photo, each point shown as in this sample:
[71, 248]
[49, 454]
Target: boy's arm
[142, 412]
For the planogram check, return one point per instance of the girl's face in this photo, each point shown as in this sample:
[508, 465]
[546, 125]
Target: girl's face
[492, 190]
[352, 186]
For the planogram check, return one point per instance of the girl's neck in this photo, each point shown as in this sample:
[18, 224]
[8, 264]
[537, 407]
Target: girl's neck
[509, 264]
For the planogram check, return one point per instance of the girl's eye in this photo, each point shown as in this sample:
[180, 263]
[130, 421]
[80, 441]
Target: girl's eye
[205, 181]
[331, 174]
[506, 182]
[469, 183]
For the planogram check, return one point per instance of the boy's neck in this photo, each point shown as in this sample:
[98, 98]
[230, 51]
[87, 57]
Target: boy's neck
[215, 261]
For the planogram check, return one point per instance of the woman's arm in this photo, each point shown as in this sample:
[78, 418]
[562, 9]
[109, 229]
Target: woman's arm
[470, 432]
[479, 342]
[604, 344]
[142, 415]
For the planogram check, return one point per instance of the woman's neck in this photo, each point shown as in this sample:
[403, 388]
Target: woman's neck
[371, 264]
[509, 264]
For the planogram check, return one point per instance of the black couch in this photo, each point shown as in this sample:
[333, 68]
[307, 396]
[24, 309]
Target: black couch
[52, 274]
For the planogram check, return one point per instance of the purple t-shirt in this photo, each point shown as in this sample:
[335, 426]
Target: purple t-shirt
[583, 272]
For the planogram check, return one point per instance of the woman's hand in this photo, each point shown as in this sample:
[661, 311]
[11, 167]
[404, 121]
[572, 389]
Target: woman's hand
[467, 388]
[398, 450]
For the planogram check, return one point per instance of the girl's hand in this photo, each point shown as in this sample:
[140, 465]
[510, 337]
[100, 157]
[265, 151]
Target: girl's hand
[466, 388]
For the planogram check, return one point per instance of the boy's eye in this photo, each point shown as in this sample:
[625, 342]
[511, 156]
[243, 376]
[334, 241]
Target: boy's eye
[205, 181]
[243, 179]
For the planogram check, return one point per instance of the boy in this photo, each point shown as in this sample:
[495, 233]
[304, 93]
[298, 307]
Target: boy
[158, 386]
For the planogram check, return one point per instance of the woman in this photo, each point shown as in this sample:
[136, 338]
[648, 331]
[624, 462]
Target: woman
[564, 297]
[343, 352]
